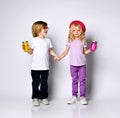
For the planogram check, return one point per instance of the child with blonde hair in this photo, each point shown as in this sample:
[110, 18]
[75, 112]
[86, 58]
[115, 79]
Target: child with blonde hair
[77, 46]
[40, 48]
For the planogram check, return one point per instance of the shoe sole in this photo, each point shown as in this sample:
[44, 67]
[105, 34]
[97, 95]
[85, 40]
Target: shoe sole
[71, 103]
[84, 103]
[36, 105]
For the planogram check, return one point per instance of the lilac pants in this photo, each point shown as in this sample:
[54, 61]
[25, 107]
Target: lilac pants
[78, 74]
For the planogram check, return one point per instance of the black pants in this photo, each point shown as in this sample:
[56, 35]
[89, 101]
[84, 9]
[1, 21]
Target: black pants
[39, 84]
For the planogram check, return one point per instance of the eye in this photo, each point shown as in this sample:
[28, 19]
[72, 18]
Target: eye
[45, 27]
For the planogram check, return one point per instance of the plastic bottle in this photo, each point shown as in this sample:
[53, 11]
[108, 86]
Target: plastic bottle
[25, 46]
[93, 45]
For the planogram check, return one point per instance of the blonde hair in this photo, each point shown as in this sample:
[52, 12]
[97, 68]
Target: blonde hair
[37, 27]
[71, 36]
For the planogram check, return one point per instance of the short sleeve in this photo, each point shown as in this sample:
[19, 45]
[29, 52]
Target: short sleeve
[68, 44]
[85, 45]
[32, 44]
[50, 44]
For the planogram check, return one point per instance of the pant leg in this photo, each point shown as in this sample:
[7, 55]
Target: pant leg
[35, 83]
[74, 74]
[82, 79]
[44, 84]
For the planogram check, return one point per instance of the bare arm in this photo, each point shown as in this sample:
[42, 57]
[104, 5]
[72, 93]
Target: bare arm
[51, 51]
[87, 51]
[65, 52]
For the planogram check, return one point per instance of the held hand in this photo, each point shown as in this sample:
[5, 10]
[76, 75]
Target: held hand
[57, 58]
[93, 46]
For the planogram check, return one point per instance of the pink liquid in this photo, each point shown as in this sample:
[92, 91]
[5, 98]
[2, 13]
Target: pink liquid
[93, 45]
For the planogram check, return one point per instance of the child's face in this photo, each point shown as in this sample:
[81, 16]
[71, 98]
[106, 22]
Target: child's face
[76, 30]
[44, 31]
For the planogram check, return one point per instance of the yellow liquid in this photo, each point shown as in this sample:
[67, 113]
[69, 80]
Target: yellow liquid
[25, 46]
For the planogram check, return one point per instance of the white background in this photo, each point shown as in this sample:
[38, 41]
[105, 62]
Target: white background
[101, 18]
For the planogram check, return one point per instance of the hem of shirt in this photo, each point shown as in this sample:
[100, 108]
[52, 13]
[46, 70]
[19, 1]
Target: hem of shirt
[39, 69]
[78, 65]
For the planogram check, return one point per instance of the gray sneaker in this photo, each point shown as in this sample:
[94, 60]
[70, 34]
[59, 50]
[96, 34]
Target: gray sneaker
[72, 100]
[36, 102]
[83, 100]
[45, 101]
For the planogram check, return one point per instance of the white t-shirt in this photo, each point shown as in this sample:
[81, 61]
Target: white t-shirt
[40, 59]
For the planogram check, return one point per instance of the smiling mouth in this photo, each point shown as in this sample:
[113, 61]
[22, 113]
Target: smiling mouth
[45, 32]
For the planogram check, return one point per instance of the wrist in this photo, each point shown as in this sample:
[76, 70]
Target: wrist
[60, 57]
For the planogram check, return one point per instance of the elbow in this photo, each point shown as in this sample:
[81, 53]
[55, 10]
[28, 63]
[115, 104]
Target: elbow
[30, 53]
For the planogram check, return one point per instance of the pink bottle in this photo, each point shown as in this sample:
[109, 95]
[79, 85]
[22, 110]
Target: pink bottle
[93, 45]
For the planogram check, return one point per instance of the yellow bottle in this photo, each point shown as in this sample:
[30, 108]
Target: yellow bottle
[25, 46]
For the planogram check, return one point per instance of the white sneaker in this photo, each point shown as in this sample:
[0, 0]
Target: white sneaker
[36, 102]
[83, 100]
[45, 101]
[72, 100]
